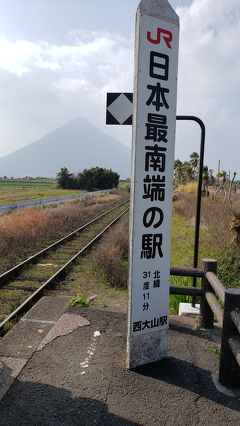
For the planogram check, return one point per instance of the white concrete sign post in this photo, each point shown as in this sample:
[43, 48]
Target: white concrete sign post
[154, 122]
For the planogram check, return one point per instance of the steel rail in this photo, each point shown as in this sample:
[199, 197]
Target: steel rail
[16, 270]
[60, 274]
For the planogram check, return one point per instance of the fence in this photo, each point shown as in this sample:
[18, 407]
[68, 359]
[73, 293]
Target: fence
[5, 208]
[222, 304]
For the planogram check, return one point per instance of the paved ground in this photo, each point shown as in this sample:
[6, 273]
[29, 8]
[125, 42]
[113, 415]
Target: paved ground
[77, 375]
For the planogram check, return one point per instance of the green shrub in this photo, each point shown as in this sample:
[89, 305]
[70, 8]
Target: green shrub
[79, 301]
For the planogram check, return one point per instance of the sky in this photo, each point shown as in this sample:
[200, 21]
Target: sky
[59, 58]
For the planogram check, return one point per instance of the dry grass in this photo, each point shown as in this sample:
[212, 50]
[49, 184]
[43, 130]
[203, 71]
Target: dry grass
[28, 230]
[217, 240]
[111, 196]
[215, 216]
[189, 188]
[111, 257]
[19, 229]
[185, 205]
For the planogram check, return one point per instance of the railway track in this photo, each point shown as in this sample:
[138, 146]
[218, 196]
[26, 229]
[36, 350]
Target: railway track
[23, 285]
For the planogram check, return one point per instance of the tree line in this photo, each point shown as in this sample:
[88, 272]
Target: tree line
[187, 171]
[89, 179]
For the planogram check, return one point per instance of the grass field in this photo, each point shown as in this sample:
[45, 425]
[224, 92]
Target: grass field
[13, 191]
[124, 184]
[17, 190]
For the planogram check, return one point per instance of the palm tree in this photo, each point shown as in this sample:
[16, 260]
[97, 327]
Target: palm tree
[194, 161]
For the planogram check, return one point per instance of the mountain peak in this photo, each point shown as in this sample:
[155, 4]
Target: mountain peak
[77, 144]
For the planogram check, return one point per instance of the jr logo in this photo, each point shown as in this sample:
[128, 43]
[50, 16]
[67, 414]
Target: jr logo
[166, 35]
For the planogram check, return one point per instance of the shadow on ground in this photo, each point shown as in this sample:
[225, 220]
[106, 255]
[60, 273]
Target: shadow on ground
[213, 335]
[185, 375]
[43, 405]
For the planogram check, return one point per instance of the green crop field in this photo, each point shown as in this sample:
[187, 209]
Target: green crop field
[124, 184]
[17, 190]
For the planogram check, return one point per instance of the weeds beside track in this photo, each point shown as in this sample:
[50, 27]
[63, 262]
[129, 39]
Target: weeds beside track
[30, 230]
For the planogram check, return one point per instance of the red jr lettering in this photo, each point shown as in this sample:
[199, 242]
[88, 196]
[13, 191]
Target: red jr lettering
[167, 37]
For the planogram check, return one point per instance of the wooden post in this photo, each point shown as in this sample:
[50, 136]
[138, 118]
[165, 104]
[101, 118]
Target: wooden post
[209, 265]
[229, 371]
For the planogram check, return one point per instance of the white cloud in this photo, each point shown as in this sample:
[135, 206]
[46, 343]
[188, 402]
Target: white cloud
[17, 57]
[101, 55]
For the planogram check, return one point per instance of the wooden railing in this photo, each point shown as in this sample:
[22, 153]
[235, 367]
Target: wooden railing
[222, 304]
